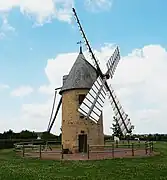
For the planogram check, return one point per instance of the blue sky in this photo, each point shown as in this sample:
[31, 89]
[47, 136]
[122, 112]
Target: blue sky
[131, 24]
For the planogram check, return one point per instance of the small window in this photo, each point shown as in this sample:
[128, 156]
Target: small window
[81, 116]
[81, 98]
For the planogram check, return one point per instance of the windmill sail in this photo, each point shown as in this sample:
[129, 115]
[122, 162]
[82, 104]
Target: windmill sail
[120, 116]
[92, 105]
[113, 62]
[96, 62]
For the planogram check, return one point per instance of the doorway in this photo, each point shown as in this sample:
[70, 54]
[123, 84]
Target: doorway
[82, 143]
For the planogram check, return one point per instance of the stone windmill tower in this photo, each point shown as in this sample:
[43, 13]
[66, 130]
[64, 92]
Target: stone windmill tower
[76, 130]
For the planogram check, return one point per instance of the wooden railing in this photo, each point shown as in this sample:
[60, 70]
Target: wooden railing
[113, 149]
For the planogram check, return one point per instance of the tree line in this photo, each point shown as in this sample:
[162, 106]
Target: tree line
[25, 134]
[9, 138]
[31, 135]
[141, 137]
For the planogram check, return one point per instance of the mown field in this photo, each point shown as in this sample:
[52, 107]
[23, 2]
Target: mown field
[152, 168]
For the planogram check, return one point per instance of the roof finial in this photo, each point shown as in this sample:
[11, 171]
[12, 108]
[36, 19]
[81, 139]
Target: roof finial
[80, 47]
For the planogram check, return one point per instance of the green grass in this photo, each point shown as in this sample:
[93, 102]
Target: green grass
[152, 168]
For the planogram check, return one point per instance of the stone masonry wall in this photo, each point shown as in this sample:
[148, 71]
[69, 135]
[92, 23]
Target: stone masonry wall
[72, 124]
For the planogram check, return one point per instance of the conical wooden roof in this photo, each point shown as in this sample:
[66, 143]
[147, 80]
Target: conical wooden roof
[81, 76]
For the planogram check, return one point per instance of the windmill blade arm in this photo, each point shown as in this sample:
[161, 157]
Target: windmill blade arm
[54, 118]
[92, 105]
[86, 41]
[113, 62]
[120, 116]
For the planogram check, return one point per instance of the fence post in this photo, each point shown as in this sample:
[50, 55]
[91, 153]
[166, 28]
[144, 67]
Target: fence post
[116, 144]
[32, 142]
[62, 153]
[40, 151]
[146, 147]
[139, 144]
[128, 143]
[23, 150]
[152, 146]
[132, 149]
[112, 150]
[88, 151]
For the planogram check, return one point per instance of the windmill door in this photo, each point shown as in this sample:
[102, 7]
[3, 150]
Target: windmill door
[82, 143]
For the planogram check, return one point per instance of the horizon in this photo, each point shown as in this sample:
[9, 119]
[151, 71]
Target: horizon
[60, 133]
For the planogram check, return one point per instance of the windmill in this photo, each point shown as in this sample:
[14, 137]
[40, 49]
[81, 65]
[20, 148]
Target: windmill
[92, 105]
[83, 94]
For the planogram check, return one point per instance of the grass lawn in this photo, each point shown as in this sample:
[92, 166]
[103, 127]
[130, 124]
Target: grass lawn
[152, 168]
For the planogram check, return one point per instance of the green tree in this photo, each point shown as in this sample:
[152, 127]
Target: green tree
[25, 134]
[116, 129]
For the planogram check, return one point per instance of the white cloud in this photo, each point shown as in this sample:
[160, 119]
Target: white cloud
[138, 82]
[42, 12]
[2, 35]
[98, 5]
[50, 9]
[39, 114]
[4, 86]
[5, 27]
[22, 91]
[47, 89]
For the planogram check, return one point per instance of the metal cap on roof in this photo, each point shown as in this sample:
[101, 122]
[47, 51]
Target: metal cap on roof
[81, 76]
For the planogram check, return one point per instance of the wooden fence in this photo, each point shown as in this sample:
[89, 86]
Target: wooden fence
[113, 150]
